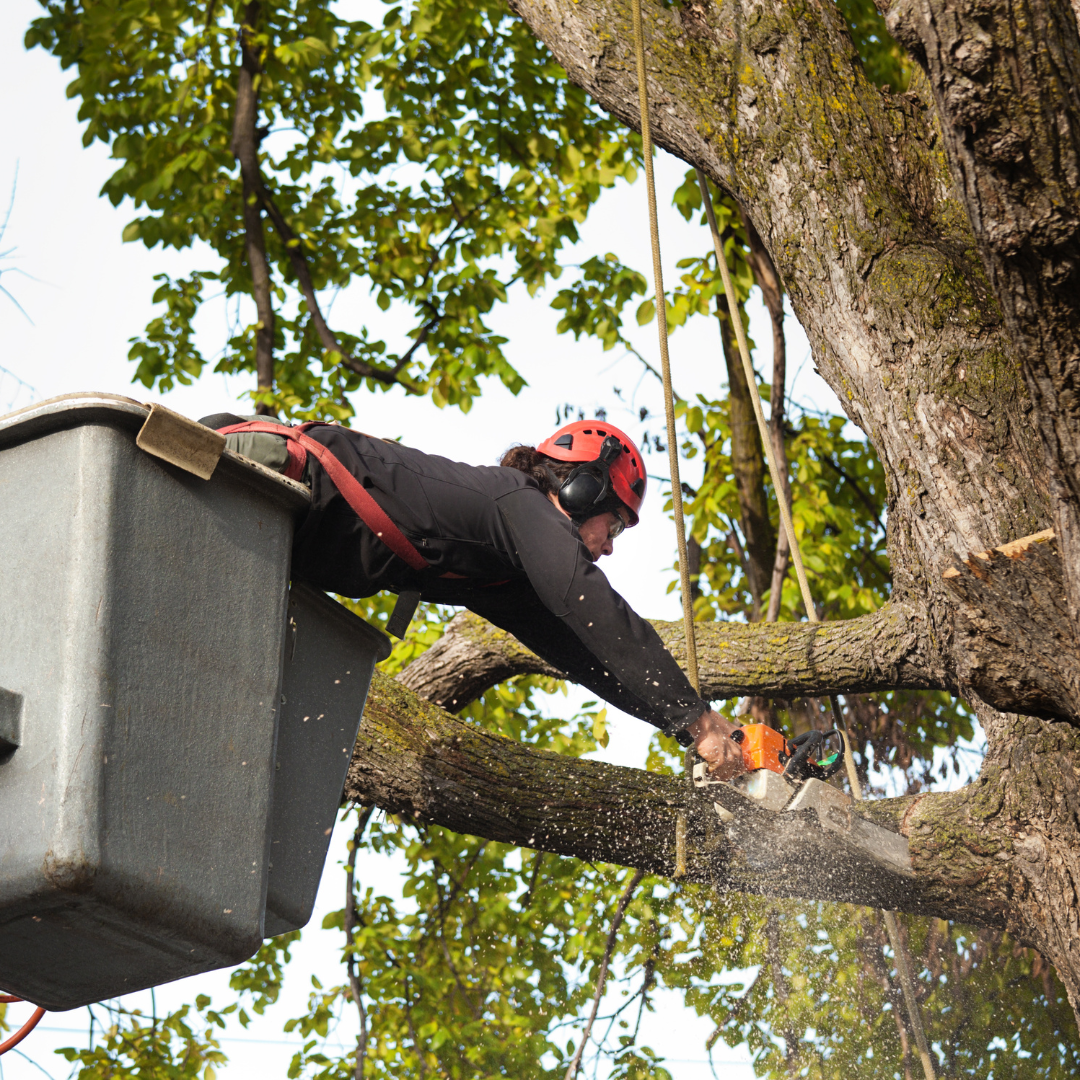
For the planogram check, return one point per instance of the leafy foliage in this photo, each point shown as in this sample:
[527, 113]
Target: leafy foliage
[884, 59]
[439, 156]
[134, 1045]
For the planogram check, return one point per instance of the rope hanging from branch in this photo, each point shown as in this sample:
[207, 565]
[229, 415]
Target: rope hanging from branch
[665, 362]
[903, 964]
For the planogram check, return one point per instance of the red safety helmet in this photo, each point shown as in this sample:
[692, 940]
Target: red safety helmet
[583, 440]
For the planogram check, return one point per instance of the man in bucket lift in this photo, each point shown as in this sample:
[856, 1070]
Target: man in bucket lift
[517, 543]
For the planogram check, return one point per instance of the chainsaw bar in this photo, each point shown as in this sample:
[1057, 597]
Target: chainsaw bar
[783, 832]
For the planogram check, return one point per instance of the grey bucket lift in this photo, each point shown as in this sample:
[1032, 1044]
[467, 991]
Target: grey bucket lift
[175, 722]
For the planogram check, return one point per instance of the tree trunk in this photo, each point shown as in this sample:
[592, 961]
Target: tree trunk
[1005, 76]
[245, 147]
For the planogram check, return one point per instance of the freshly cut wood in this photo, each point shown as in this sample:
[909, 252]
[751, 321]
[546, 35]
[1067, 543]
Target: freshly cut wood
[1013, 549]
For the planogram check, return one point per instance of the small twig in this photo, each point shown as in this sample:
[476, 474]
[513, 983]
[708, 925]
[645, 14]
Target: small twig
[412, 1028]
[825, 459]
[457, 978]
[527, 899]
[443, 906]
[601, 979]
[710, 1042]
[350, 927]
[648, 367]
[326, 336]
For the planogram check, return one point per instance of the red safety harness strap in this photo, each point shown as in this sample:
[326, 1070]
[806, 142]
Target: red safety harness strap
[352, 491]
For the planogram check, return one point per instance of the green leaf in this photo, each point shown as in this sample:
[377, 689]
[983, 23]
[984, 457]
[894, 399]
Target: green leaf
[600, 728]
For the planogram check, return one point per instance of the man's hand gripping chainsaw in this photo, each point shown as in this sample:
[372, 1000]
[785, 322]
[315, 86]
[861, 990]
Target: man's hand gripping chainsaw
[776, 767]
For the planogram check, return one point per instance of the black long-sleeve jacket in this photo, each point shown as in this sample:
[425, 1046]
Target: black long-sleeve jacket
[517, 562]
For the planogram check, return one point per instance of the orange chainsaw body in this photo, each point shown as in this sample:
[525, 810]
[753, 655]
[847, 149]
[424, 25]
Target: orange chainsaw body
[763, 748]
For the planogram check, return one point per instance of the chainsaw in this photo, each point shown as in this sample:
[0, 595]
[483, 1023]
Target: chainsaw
[777, 767]
[790, 776]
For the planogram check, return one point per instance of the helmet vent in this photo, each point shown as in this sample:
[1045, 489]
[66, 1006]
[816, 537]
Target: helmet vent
[565, 441]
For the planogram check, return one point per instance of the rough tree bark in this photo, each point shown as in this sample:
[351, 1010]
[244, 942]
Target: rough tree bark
[928, 244]
[1005, 78]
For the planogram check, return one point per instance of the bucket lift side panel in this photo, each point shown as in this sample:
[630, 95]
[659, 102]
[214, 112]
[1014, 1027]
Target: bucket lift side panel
[144, 611]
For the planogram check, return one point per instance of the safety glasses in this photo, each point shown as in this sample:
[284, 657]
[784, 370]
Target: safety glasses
[616, 527]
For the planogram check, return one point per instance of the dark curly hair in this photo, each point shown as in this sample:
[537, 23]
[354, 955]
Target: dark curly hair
[540, 467]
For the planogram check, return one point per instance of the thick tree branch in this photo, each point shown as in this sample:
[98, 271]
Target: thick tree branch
[886, 650]
[470, 657]
[415, 759]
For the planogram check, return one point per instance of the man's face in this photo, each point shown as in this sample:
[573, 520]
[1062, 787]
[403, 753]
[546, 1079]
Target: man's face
[596, 532]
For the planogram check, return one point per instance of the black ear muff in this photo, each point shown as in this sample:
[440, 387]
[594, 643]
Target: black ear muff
[583, 489]
[587, 490]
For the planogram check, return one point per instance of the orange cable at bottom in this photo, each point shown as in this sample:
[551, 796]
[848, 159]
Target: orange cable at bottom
[25, 1030]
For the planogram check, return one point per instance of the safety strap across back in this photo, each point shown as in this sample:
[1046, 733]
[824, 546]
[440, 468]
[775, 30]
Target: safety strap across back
[352, 491]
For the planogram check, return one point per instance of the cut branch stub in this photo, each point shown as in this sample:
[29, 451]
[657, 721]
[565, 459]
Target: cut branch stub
[1013, 640]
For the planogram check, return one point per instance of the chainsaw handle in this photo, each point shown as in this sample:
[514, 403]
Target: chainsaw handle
[800, 766]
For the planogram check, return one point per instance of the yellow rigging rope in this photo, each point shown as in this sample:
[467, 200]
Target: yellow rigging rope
[665, 363]
[900, 953]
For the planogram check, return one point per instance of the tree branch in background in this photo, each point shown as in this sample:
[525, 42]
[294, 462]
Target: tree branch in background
[350, 928]
[601, 978]
[775, 957]
[245, 148]
[772, 292]
[327, 336]
[748, 465]
[257, 198]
